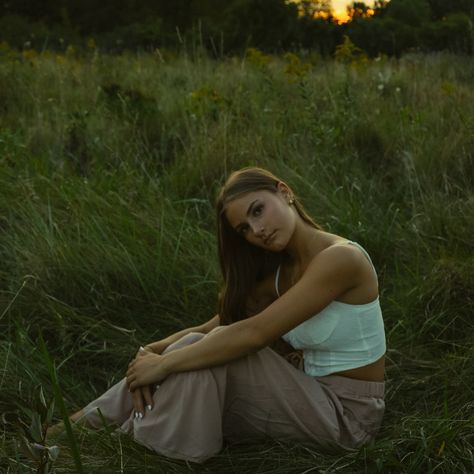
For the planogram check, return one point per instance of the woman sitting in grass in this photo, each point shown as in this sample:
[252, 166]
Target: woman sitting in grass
[284, 277]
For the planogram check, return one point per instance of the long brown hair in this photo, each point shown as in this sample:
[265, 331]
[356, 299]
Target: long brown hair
[243, 264]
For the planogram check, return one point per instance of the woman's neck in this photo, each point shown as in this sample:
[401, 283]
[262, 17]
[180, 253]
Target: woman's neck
[304, 244]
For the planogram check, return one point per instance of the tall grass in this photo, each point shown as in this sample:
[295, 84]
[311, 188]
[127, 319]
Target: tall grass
[109, 167]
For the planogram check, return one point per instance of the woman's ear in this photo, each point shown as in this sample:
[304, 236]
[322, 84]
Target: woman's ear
[284, 190]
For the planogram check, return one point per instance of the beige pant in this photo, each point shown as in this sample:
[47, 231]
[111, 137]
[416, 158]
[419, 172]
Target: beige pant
[260, 395]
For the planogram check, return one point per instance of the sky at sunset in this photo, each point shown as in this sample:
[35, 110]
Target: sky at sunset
[339, 7]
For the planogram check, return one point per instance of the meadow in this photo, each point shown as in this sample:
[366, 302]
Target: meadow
[109, 169]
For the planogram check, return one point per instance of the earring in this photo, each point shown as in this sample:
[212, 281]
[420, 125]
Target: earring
[291, 201]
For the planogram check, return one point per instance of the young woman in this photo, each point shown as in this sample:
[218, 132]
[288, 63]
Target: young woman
[284, 277]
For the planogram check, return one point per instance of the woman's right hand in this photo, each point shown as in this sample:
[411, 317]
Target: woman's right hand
[142, 400]
[142, 397]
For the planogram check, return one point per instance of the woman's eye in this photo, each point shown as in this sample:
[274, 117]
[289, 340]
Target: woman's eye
[243, 230]
[258, 210]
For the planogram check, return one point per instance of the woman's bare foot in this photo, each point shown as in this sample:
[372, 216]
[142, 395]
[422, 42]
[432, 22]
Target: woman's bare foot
[54, 430]
[58, 428]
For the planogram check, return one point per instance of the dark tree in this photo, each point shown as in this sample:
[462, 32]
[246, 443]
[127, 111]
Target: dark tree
[442, 8]
[453, 33]
[409, 12]
[267, 24]
[391, 27]
[358, 10]
[312, 9]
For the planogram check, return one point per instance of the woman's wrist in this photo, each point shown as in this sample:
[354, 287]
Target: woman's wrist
[168, 363]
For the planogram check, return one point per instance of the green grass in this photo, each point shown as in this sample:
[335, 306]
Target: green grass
[109, 167]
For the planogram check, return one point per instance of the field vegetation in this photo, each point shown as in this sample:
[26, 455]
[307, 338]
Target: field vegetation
[109, 168]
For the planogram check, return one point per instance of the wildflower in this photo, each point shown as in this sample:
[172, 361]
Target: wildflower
[347, 52]
[206, 100]
[91, 44]
[29, 54]
[257, 58]
[206, 93]
[294, 68]
[448, 88]
[70, 50]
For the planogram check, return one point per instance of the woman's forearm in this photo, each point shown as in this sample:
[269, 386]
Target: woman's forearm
[218, 347]
[158, 346]
[229, 343]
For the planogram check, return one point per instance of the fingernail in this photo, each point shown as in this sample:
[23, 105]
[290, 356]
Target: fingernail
[136, 415]
[148, 407]
[140, 415]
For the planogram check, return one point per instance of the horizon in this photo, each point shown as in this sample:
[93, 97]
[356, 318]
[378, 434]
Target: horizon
[339, 8]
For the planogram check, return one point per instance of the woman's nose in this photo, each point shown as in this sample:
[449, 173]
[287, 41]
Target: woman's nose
[258, 229]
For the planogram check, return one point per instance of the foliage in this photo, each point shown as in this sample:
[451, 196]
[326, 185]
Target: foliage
[225, 28]
[348, 52]
[257, 58]
[32, 442]
[409, 12]
[295, 68]
[109, 167]
[359, 10]
[455, 32]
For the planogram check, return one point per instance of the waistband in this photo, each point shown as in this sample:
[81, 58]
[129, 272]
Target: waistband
[361, 388]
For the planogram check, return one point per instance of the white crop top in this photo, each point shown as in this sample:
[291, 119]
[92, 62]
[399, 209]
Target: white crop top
[340, 337]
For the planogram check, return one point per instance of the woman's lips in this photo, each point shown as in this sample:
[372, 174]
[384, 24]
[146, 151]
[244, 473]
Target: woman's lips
[269, 238]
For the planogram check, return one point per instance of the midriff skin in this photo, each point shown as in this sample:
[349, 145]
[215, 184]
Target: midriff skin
[373, 372]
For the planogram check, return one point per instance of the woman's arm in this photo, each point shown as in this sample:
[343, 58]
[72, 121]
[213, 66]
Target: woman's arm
[331, 273]
[262, 296]
[159, 346]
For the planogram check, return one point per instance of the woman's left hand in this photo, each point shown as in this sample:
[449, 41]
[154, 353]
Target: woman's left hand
[296, 359]
[145, 370]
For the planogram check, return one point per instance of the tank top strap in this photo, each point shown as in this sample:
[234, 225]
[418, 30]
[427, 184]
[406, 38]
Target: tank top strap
[277, 276]
[365, 253]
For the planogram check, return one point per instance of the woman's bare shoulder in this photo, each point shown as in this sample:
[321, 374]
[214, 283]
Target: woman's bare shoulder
[347, 253]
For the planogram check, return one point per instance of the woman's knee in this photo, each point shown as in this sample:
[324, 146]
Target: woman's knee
[186, 340]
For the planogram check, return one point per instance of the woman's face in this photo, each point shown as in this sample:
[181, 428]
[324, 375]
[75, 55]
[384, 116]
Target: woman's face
[263, 218]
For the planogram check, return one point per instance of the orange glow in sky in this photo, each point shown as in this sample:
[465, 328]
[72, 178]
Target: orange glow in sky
[340, 11]
[341, 16]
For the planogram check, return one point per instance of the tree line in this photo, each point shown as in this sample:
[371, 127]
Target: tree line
[388, 27]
